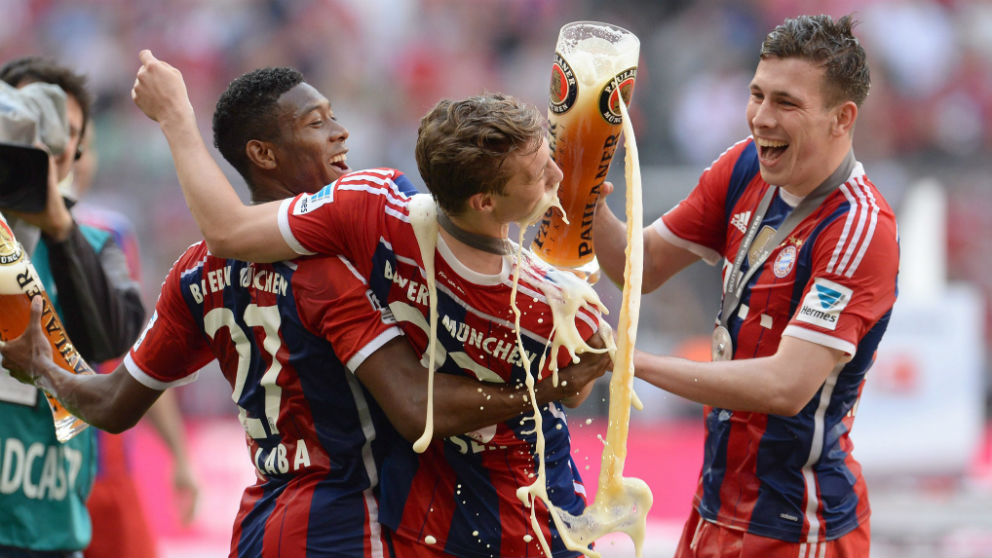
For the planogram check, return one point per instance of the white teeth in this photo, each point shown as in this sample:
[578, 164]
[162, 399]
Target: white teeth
[770, 143]
[339, 158]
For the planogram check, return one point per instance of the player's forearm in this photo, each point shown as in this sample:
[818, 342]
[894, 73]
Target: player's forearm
[576, 398]
[481, 404]
[230, 228]
[610, 241]
[212, 200]
[94, 398]
[753, 385]
[464, 405]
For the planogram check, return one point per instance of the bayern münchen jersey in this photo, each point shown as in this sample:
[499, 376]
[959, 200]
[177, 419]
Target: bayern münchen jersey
[315, 436]
[462, 490]
[831, 282]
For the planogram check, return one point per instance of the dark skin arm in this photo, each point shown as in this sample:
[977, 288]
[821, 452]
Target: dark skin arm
[399, 383]
[113, 402]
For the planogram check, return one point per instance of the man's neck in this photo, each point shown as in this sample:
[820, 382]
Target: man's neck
[835, 161]
[265, 189]
[839, 172]
[474, 248]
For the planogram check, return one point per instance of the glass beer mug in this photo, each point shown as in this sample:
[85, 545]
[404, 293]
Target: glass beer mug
[595, 65]
[19, 284]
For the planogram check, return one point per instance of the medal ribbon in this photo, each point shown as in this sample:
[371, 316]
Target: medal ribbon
[735, 281]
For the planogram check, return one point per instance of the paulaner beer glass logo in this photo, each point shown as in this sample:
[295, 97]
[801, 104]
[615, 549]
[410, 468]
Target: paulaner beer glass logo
[609, 99]
[564, 87]
[10, 251]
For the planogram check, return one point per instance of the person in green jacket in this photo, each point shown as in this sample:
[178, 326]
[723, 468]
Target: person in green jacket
[43, 483]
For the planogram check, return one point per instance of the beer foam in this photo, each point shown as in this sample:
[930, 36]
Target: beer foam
[423, 218]
[549, 200]
[595, 60]
[565, 294]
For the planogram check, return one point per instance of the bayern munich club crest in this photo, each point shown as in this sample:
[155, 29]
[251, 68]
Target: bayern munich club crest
[784, 262]
[564, 87]
[609, 99]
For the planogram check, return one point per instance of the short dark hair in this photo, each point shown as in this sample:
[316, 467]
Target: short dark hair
[247, 111]
[830, 43]
[461, 145]
[31, 69]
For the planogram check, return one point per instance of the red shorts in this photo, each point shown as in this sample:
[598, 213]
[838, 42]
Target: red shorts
[705, 539]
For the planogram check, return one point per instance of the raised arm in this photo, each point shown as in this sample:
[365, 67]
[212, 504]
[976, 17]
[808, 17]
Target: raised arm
[113, 402]
[231, 228]
[662, 259]
[396, 379]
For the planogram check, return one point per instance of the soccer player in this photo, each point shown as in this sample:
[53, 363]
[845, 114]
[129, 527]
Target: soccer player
[810, 256]
[303, 344]
[486, 162]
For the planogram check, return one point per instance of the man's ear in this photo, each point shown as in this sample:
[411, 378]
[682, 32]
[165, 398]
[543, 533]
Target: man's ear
[844, 118]
[260, 153]
[481, 202]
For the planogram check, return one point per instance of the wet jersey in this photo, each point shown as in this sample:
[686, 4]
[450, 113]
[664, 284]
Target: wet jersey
[832, 281]
[461, 492]
[281, 333]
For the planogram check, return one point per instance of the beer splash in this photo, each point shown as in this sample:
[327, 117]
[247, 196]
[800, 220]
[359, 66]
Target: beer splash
[621, 503]
[565, 296]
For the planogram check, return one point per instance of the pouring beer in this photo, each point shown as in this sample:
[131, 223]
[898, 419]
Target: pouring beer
[19, 284]
[595, 65]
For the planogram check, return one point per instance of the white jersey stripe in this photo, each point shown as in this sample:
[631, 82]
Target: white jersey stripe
[287, 232]
[844, 234]
[359, 180]
[871, 229]
[368, 429]
[862, 210]
[815, 451]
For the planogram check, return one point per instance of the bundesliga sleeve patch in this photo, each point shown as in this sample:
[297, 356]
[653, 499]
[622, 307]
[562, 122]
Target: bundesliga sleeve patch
[824, 303]
[307, 204]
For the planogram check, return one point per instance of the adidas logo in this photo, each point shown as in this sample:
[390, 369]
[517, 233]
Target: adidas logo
[740, 220]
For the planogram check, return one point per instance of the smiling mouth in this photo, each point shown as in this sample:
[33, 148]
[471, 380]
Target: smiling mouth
[770, 150]
[339, 162]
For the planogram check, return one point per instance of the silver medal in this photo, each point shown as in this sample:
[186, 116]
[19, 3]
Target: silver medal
[723, 346]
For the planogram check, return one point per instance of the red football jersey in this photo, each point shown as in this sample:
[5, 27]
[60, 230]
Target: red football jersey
[288, 337]
[831, 282]
[462, 490]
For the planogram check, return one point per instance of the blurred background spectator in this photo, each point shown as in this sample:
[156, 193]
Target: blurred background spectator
[383, 63]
